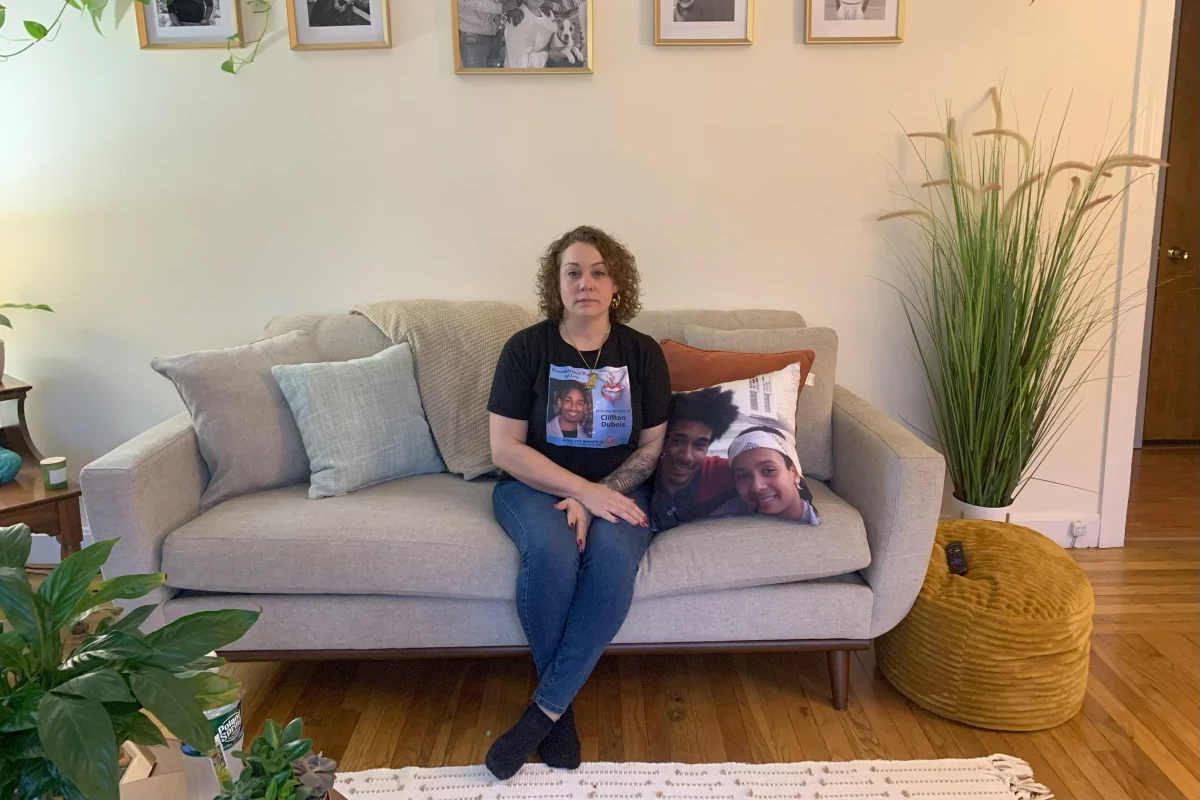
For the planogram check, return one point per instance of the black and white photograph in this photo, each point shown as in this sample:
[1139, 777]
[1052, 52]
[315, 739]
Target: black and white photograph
[854, 9]
[338, 24]
[703, 21]
[187, 23]
[703, 10]
[854, 21]
[178, 13]
[498, 36]
[335, 13]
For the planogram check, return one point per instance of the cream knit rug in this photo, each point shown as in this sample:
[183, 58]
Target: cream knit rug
[997, 777]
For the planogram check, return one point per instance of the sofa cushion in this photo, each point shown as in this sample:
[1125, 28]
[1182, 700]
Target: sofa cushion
[361, 420]
[430, 535]
[738, 552]
[435, 536]
[244, 428]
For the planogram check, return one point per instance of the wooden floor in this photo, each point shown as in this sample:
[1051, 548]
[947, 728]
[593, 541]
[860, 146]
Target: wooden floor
[1164, 494]
[1138, 735]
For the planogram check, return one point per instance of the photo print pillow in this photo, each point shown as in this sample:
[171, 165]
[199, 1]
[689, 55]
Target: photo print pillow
[731, 451]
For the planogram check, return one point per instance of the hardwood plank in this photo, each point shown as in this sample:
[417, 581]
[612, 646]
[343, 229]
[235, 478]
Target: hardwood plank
[1144, 738]
[587, 718]
[658, 736]
[808, 667]
[437, 736]
[391, 689]
[876, 719]
[1177, 591]
[799, 713]
[1158, 565]
[1079, 779]
[779, 732]
[607, 677]
[633, 710]
[1138, 657]
[897, 707]
[326, 720]
[464, 729]
[1022, 747]
[703, 710]
[722, 678]
[1135, 760]
[1178, 650]
[1145, 700]
[754, 718]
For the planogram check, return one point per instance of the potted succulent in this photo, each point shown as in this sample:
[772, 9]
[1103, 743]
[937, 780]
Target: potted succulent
[1006, 285]
[281, 766]
[63, 715]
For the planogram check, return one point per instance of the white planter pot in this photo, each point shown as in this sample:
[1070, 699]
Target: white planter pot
[967, 511]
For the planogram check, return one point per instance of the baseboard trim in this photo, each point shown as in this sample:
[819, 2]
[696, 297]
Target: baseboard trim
[417, 653]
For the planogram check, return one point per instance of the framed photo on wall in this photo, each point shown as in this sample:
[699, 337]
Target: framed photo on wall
[854, 21]
[338, 24]
[527, 36]
[703, 21]
[169, 24]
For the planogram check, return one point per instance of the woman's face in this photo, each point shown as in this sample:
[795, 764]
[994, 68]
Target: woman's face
[767, 484]
[583, 280]
[571, 405]
[684, 453]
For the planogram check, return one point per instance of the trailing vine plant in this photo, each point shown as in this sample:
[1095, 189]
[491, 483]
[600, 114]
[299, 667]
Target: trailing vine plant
[38, 32]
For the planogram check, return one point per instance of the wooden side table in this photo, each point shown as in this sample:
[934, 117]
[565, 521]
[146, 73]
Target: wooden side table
[25, 498]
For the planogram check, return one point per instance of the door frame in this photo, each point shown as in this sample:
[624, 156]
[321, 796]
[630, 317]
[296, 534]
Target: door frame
[1154, 70]
[1152, 284]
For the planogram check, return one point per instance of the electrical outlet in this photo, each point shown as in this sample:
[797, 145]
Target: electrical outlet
[1078, 531]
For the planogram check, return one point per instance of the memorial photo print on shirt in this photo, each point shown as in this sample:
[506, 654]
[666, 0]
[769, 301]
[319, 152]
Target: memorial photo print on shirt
[589, 408]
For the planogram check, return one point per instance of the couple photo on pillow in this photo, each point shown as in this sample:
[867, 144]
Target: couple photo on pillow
[730, 451]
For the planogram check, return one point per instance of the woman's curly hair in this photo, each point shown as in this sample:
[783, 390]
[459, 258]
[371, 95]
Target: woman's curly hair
[622, 268]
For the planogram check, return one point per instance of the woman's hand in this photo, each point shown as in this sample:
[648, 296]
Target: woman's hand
[578, 518]
[603, 502]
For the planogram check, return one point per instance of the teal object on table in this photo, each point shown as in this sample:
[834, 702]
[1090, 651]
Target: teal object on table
[10, 465]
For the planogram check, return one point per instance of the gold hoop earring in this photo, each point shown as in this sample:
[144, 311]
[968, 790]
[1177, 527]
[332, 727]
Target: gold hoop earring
[616, 301]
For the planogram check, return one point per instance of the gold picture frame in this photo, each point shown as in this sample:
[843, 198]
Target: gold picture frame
[294, 34]
[588, 62]
[143, 30]
[746, 40]
[894, 39]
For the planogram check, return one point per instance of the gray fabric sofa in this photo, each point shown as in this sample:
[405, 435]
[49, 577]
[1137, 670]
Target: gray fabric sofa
[418, 567]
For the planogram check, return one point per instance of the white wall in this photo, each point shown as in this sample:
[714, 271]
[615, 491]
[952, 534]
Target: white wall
[162, 206]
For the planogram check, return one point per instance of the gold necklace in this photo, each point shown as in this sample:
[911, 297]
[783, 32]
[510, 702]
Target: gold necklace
[591, 381]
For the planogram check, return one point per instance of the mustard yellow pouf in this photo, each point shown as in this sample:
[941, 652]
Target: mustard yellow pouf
[1003, 647]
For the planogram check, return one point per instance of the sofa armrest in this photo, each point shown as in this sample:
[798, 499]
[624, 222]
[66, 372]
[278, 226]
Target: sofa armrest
[142, 491]
[895, 482]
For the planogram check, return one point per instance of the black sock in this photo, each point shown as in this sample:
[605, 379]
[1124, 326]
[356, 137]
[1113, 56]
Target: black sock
[509, 752]
[560, 748]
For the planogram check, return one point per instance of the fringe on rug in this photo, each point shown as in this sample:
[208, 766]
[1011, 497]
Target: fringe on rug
[1020, 778]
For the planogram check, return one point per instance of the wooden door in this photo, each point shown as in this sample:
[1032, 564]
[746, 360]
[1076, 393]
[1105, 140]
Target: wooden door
[1173, 371]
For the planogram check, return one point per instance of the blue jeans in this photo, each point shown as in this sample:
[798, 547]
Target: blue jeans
[571, 604]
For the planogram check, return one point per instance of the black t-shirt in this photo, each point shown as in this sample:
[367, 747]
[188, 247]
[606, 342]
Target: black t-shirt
[587, 422]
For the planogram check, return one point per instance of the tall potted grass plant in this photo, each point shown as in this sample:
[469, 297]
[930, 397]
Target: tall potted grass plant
[1005, 288]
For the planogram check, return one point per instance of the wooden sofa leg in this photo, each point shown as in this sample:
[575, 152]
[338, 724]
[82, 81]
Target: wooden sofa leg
[839, 677]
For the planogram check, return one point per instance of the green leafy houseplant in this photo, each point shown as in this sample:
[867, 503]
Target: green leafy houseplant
[64, 714]
[281, 766]
[4, 320]
[1005, 288]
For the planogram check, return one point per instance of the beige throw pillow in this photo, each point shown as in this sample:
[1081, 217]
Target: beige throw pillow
[244, 426]
[814, 409]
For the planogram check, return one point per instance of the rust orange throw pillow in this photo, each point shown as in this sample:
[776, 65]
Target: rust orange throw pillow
[692, 368]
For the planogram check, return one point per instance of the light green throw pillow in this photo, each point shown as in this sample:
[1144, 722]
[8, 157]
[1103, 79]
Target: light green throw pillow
[361, 420]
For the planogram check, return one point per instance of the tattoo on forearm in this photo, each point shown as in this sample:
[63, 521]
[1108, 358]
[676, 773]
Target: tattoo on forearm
[631, 474]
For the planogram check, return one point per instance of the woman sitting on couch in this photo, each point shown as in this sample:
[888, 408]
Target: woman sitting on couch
[575, 507]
